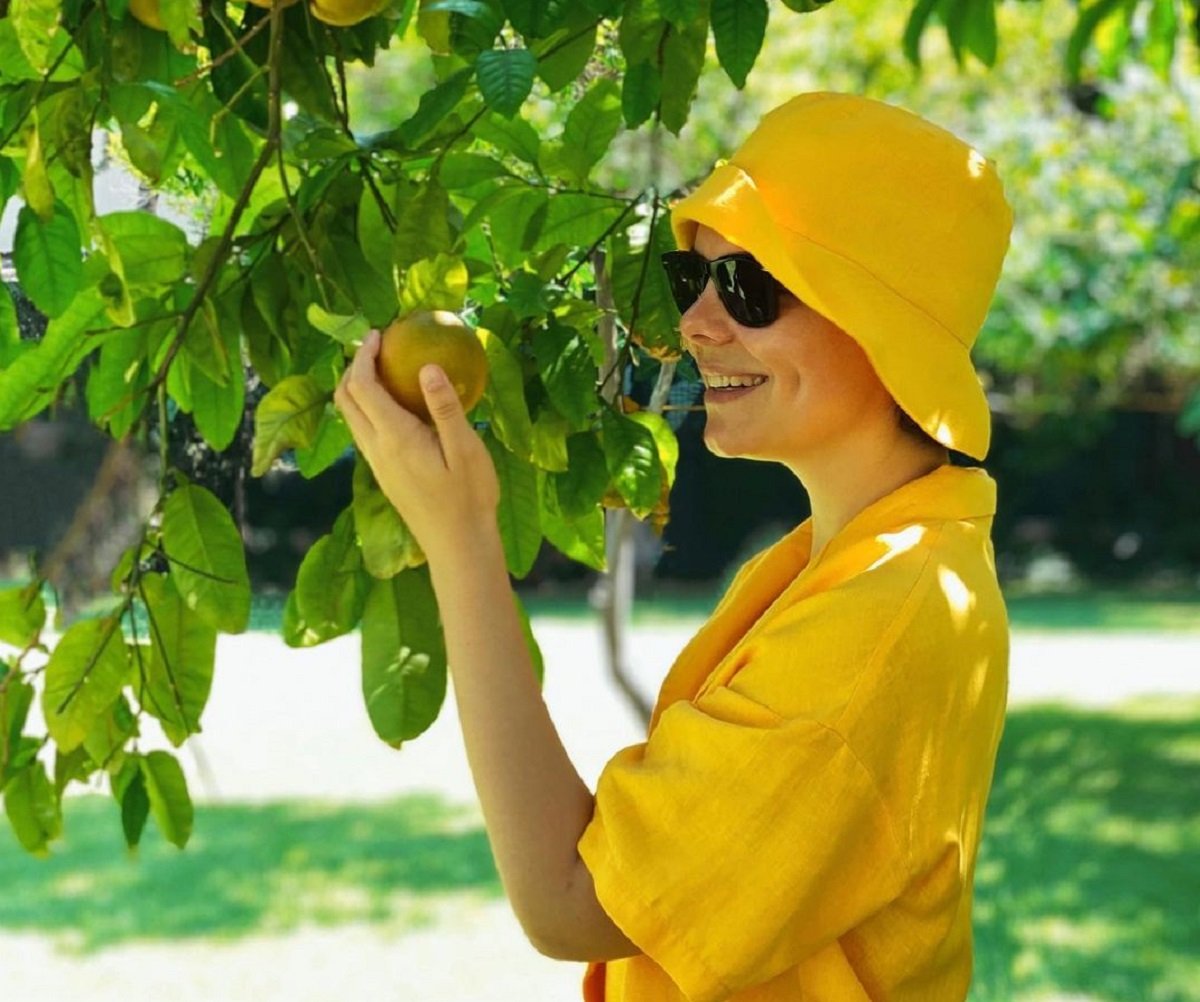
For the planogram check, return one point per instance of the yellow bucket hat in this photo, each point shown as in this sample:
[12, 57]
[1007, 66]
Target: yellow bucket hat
[887, 225]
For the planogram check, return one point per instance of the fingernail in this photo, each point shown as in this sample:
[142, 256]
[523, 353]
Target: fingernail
[432, 377]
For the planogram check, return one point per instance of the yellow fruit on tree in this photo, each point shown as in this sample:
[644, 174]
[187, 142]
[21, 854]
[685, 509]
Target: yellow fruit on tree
[147, 12]
[268, 3]
[343, 13]
[426, 336]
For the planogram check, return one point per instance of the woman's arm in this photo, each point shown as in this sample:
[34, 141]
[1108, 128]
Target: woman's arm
[534, 803]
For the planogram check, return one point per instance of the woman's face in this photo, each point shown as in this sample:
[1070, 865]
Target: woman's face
[819, 384]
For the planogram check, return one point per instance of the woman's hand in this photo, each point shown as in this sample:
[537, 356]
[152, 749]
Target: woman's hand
[441, 480]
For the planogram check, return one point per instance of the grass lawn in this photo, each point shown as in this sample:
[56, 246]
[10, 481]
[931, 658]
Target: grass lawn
[1086, 882]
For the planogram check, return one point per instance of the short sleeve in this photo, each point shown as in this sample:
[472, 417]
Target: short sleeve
[734, 843]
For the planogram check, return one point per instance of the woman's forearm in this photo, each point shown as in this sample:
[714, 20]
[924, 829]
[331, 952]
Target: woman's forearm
[534, 803]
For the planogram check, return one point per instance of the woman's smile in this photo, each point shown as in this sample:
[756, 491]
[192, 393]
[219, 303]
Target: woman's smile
[722, 388]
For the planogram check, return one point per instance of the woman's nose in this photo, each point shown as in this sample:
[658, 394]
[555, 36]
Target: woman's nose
[706, 321]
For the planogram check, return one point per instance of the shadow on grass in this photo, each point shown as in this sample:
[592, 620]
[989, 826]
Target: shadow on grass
[1089, 871]
[246, 869]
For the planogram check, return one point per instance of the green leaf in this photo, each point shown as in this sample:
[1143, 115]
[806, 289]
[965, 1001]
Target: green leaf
[387, 544]
[153, 251]
[505, 78]
[641, 90]
[32, 381]
[209, 345]
[11, 345]
[135, 807]
[217, 409]
[84, 677]
[167, 791]
[550, 431]
[631, 455]
[510, 135]
[48, 258]
[979, 33]
[109, 734]
[403, 656]
[505, 394]
[915, 28]
[739, 27]
[640, 32]
[578, 220]
[22, 614]
[422, 224]
[564, 64]
[435, 105]
[462, 170]
[580, 539]
[437, 283]
[287, 417]
[16, 697]
[33, 808]
[531, 644]
[119, 372]
[682, 61]
[590, 128]
[568, 371]
[36, 24]
[642, 294]
[518, 511]
[345, 329]
[181, 18]
[1089, 19]
[208, 562]
[1162, 28]
[579, 488]
[664, 439]
[333, 439]
[217, 141]
[331, 586]
[183, 647]
[680, 12]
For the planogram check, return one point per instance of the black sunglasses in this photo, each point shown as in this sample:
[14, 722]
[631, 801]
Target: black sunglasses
[748, 291]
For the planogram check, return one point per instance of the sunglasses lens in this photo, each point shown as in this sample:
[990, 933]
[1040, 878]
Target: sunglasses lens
[686, 275]
[747, 291]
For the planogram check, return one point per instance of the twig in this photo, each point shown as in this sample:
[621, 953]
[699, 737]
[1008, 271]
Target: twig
[234, 50]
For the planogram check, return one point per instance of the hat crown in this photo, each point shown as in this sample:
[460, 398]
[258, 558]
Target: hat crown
[896, 194]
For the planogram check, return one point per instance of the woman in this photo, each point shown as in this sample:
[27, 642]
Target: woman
[803, 819]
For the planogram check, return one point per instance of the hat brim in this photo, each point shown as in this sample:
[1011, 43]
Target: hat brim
[925, 368]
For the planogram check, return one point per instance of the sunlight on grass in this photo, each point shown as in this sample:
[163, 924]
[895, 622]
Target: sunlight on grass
[1089, 869]
[247, 869]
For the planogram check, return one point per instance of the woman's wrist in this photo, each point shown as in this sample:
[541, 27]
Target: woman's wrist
[470, 550]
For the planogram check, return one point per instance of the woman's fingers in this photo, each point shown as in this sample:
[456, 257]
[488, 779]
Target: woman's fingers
[360, 424]
[446, 410]
[369, 394]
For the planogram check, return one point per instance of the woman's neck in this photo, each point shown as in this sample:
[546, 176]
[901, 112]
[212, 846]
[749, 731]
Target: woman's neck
[842, 482]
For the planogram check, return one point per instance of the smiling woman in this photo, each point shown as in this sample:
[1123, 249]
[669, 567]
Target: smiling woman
[803, 818]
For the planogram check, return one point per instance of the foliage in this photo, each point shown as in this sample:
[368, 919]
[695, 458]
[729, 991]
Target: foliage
[313, 231]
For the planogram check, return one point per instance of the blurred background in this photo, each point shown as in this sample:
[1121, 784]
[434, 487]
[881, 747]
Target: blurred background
[324, 861]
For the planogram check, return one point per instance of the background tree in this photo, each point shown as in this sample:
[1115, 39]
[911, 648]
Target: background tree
[311, 232]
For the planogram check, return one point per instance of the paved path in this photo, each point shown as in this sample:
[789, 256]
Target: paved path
[290, 723]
